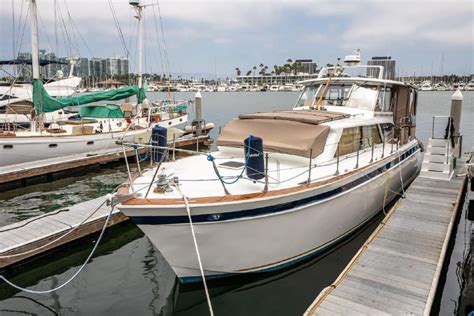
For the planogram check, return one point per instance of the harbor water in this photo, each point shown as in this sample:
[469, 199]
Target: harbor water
[128, 275]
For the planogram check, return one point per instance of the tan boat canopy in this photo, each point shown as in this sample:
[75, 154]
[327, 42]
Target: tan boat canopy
[290, 132]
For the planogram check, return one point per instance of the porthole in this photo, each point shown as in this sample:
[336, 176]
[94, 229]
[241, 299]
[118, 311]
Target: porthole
[7, 146]
[91, 142]
[53, 145]
[169, 123]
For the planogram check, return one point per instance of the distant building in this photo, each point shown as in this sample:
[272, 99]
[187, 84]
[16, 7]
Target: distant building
[24, 70]
[99, 68]
[271, 79]
[306, 66]
[387, 62]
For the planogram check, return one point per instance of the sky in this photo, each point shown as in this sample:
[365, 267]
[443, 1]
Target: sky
[213, 37]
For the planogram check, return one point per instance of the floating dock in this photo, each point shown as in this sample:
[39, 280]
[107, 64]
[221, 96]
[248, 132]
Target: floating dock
[25, 173]
[397, 270]
[48, 231]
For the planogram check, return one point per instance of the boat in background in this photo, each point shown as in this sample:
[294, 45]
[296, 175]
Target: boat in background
[283, 186]
[426, 86]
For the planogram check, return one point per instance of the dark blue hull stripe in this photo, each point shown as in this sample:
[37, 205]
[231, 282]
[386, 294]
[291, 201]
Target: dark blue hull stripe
[216, 217]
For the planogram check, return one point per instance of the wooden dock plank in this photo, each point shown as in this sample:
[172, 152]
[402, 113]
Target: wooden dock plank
[43, 230]
[394, 274]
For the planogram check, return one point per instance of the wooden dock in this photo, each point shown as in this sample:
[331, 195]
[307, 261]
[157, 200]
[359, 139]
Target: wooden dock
[24, 173]
[398, 268]
[39, 234]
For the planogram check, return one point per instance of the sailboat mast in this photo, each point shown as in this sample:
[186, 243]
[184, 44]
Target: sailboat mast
[34, 39]
[140, 44]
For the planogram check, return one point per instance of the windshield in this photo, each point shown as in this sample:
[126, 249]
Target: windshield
[307, 96]
[335, 94]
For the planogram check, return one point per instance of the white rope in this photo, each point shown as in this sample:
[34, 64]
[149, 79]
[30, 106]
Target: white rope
[188, 210]
[75, 274]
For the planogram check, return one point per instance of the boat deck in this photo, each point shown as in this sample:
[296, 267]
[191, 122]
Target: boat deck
[35, 235]
[22, 173]
[398, 268]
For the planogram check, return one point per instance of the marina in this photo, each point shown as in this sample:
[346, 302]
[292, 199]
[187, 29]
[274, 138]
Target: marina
[170, 165]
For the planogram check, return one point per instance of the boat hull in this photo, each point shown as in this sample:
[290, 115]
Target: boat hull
[15, 150]
[292, 228]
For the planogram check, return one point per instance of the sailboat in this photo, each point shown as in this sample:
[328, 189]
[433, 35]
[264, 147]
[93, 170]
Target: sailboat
[100, 127]
[283, 186]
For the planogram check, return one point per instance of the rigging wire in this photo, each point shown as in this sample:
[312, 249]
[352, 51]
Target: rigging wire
[119, 29]
[165, 51]
[158, 41]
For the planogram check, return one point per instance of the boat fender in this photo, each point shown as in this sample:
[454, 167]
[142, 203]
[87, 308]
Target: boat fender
[254, 157]
[159, 138]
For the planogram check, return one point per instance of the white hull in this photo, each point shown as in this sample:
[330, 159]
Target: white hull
[14, 150]
[178, 122]
[272, 240]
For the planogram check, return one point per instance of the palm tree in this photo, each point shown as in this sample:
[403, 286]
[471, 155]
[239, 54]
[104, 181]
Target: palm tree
[238, 71]
[253, 77]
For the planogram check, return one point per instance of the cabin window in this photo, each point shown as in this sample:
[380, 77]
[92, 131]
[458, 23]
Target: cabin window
[53, 145]
[91, 142]
[370, 135]
[358, 138]
[350, 140]
[7, 146]
[383, 100]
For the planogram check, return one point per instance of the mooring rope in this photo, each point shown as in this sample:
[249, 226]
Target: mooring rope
[188, 210]
[75, 274]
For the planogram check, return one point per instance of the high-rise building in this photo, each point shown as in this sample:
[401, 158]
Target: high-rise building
[306, 66]
[99, 68]
[388, 64]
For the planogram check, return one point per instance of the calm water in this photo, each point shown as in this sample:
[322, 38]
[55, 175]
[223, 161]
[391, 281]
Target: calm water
[128, 275]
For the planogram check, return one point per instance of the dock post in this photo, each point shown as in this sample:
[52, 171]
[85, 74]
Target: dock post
[198, 118]
[456, 110]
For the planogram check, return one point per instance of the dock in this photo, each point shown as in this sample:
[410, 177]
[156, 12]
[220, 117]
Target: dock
[48, 169]
[48, 231]
[398, 268]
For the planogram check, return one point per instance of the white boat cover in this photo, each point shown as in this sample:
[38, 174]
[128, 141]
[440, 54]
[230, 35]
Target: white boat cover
[292, 132]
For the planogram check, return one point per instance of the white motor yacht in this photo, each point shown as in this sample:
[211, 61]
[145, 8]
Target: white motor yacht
[283, 186]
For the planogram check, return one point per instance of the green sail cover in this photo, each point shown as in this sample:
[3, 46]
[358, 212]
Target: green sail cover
[45, 103]
[101, 111]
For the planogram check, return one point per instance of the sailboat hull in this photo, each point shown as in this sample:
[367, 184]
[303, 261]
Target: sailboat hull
[15, 150]
[289, 229]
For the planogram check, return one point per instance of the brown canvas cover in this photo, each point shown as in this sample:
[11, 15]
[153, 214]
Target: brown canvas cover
[289, 136]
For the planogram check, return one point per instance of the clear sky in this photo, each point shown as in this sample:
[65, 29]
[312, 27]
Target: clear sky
[215, 36]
